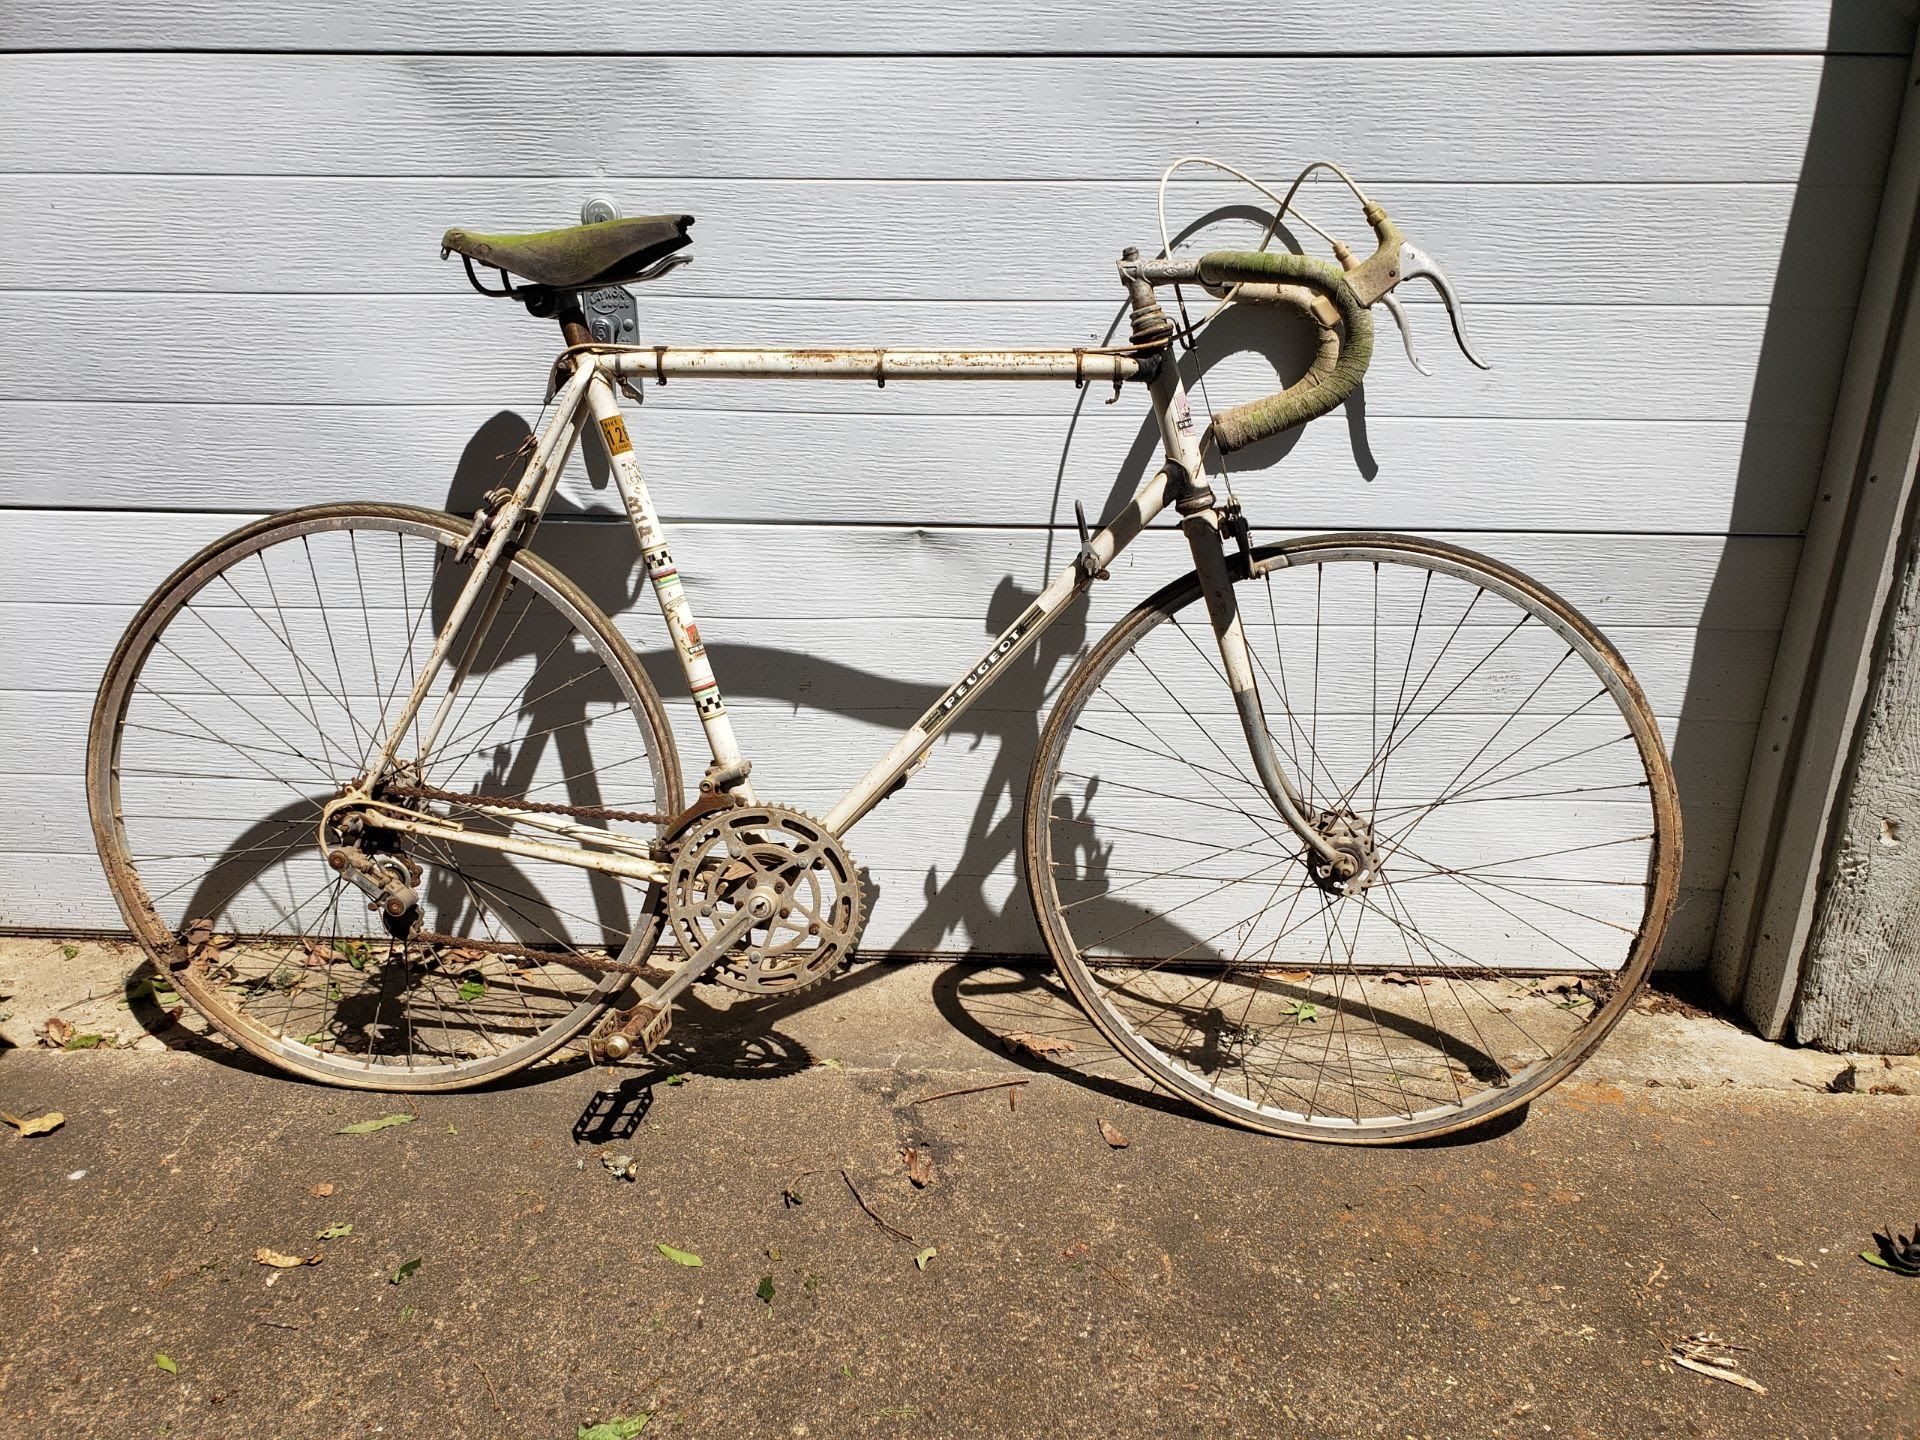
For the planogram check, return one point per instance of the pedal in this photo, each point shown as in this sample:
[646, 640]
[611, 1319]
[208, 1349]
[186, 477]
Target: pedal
[642, 1028]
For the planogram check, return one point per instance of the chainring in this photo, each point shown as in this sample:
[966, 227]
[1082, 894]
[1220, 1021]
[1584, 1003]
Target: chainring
[724, 854]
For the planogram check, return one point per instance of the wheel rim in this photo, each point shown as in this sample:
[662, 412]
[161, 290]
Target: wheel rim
[235, 710]
[1448, 714]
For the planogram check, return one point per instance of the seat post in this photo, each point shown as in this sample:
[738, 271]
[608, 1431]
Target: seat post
[573, 320]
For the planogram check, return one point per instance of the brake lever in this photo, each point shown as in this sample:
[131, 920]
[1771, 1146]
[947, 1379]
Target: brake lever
[1399, 313]
[1418, 265]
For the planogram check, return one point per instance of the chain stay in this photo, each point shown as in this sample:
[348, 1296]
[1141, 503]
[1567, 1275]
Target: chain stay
[540, 807]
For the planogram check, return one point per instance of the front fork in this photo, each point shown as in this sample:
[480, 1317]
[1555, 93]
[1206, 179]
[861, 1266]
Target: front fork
[1201, 520]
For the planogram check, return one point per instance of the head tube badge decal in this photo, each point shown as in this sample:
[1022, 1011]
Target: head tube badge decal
[1182, 411]
[615, 429]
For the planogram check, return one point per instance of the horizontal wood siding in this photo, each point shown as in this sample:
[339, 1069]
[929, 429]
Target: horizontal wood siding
[223, 295]
[987, 26]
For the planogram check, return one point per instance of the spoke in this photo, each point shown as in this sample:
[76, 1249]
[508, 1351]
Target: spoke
[286, 637]
[1413, 641]
[1380, 760]
[1467, 877]
[1280, 664]
[366, 626]
[1208, 736]
[1393, 745]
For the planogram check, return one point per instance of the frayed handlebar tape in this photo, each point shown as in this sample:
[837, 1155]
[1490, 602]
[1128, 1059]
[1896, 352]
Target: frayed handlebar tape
[1320, 389]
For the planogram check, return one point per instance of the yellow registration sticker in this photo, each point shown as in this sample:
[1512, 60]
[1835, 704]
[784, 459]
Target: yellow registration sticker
[615, 429]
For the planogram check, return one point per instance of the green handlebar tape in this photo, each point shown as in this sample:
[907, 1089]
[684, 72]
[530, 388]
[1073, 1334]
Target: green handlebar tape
[1320, 389]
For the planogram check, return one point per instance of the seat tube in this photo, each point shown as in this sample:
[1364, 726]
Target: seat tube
[729, 766]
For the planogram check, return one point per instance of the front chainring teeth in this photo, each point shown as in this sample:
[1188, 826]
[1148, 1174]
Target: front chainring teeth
[822, 908]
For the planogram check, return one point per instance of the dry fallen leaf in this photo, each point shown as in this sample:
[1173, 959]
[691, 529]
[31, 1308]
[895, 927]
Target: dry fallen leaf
[1707, 1354]
[56, 1032]
[318, 956]
[919, 1167]
[38, 1125]
[323, 1189]
[1295, 977]
[201, 942]
[1036, 1044]
[1717, 1372]
[264, 1256]
[1111, 1134]
[1394, 977]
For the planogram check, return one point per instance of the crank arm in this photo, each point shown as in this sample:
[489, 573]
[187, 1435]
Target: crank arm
[647, 1021]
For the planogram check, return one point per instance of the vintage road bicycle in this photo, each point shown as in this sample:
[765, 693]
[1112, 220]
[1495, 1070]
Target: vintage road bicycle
[1357, 837]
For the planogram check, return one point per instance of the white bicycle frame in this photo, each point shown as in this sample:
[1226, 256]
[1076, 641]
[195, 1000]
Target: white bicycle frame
[589, 391]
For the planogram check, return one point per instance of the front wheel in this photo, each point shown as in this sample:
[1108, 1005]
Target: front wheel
[1463, 732]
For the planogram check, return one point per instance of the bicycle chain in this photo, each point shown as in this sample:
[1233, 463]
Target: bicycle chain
[544, 957]
[538, 807]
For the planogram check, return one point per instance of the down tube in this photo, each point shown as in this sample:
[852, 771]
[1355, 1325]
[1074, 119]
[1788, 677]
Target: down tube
[911, 748]
[665, 577]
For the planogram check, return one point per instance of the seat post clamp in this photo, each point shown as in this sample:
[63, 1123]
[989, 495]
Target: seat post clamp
[613, 315]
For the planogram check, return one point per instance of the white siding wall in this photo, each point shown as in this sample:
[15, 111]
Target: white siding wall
[222, 296]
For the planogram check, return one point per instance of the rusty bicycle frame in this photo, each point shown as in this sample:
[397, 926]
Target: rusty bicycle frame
[589, 394]
[588, 378]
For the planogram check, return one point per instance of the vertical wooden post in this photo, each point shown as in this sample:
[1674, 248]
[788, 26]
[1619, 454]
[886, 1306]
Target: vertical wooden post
[1860, 980]
[1818, 699]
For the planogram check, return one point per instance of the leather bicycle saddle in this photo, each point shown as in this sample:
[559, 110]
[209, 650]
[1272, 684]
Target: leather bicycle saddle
[579, 256]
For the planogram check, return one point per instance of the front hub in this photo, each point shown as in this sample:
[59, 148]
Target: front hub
[1355, 864]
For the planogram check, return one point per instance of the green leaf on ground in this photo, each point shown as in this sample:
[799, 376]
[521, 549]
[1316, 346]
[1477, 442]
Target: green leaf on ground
[86, 1042]
[333, 1232]
[472, 989]
[165, 1362]
[925, 1258]
[367, 1127]
[69, 951]
[765, 1292]
[404, 1271]
[621, 1429]
[1886, 1264]
[678, 1078]
[678, 1257]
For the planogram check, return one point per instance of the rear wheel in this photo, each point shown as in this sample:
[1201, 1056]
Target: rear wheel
[257, 682]
[1453, 724]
